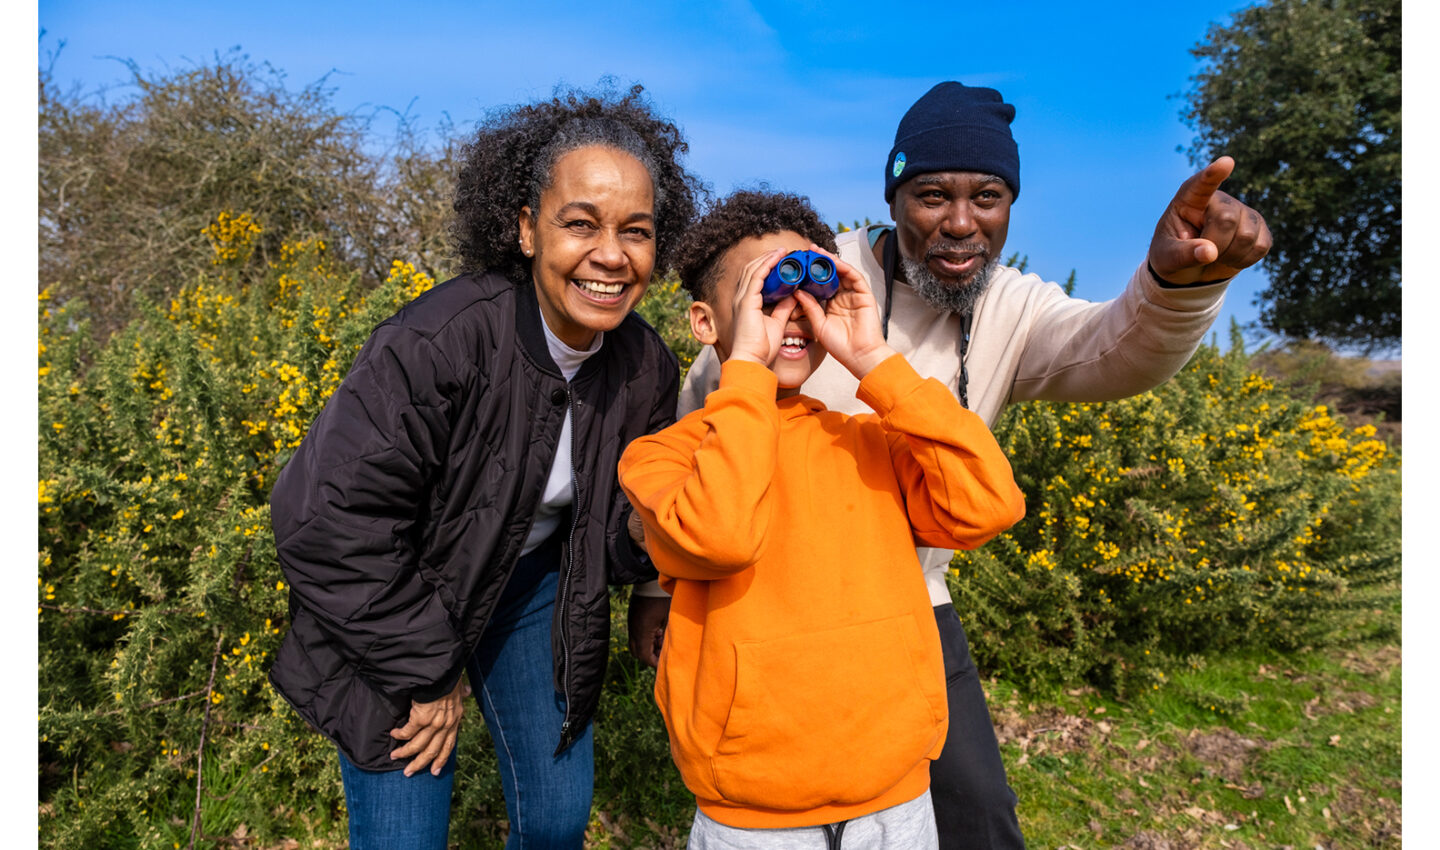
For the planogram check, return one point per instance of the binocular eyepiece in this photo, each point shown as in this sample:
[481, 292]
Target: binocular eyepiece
[808, 270]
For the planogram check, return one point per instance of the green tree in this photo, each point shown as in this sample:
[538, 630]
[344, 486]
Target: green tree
[1305, 95]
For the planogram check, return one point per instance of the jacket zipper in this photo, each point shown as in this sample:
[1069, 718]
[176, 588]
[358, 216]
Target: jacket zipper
[568, 568]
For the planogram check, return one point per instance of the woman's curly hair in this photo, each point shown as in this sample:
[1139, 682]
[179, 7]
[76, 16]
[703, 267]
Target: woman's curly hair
[509, 161]
[743, 214]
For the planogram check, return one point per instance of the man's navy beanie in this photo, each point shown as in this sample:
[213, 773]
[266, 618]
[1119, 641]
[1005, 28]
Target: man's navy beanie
[955, 127]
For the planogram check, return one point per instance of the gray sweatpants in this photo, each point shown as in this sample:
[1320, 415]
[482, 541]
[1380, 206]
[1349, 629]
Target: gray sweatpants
[908, 826]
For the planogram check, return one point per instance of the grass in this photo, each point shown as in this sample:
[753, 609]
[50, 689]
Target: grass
[1276, 750]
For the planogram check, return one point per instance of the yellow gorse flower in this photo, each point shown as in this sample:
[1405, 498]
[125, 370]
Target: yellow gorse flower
[231, 236]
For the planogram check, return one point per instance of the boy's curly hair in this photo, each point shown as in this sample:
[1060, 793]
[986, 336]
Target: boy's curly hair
[509, 160]
[743, 214]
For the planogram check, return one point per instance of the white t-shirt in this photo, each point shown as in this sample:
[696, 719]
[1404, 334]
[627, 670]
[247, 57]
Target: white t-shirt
[559, 489]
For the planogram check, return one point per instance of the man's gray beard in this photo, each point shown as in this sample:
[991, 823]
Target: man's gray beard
[948, 297]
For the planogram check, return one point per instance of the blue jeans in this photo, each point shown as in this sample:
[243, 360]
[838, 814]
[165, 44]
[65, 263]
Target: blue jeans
[547, 797]
[392, 811]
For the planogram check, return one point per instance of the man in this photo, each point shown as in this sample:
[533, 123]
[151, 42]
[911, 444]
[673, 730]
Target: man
[996, 336]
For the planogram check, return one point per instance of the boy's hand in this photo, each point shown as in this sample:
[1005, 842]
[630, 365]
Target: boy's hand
[757, 334]
[647, 620]
[849, 324]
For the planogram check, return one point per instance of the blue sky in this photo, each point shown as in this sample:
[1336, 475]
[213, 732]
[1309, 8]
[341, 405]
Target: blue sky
[804, 95]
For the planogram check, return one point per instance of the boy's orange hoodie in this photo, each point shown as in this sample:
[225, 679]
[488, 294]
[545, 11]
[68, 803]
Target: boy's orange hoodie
[801, 679]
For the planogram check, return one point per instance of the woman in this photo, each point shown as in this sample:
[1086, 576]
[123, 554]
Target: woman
[455, 508]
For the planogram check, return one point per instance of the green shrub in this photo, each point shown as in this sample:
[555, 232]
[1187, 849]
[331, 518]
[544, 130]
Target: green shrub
[161, 601]
[1213, 512]
[667, 308]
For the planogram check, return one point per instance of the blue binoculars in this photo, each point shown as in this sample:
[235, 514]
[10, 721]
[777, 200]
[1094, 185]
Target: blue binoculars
[808, 270]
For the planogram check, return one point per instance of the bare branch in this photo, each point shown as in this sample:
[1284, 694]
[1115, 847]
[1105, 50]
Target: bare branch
[200, 751]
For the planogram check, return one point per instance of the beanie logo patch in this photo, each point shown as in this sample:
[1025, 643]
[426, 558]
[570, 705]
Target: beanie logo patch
[899, 164]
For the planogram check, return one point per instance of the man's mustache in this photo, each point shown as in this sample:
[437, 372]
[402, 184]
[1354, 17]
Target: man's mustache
[956, 248]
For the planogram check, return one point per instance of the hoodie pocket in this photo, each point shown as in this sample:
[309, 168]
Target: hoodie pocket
[836, 717]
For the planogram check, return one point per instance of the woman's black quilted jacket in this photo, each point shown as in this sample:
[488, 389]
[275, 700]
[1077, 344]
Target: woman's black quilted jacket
[404, 509]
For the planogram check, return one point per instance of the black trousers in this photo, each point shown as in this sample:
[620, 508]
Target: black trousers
[974, 806]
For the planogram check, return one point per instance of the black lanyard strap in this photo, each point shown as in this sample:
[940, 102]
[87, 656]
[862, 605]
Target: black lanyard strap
[890, 260]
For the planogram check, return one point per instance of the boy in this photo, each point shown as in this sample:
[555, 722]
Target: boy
[800, 677]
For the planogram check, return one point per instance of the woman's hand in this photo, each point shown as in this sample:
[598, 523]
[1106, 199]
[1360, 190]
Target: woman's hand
[431, 731]
[756, 331]
[848, 325]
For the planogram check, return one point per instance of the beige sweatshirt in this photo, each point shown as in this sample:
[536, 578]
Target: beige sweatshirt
[1028, 341]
